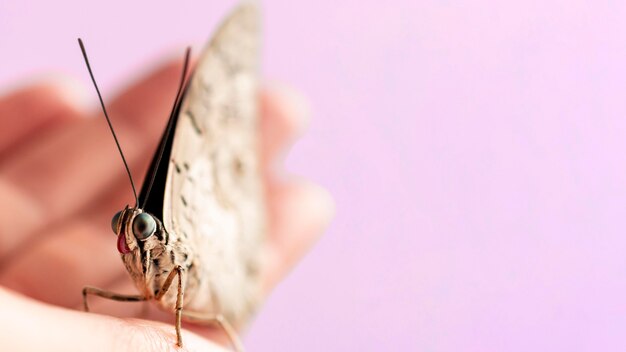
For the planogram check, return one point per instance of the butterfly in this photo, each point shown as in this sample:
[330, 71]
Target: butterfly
[191, 243]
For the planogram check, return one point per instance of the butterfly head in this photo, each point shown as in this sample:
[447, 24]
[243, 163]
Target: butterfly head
[133, 228]
[141, 239]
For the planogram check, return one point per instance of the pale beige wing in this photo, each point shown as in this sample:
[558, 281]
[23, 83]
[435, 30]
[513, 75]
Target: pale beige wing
[213, 194]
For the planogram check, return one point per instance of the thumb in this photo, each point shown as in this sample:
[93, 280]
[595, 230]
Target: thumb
[28, 325]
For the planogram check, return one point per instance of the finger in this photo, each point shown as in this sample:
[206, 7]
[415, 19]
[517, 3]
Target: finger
[63, 172]
[299, 213]
[65, 330]
[83, 249]
[56, 269]
[33, 216]
[19, 214]
[147, 310]
[67, 169]
[284, 115]
[29, 110]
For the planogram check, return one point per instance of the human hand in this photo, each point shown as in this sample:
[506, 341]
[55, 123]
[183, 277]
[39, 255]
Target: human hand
[61, 181]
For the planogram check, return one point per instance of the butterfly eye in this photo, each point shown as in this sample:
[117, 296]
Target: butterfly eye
[143, 226]
[115, 221]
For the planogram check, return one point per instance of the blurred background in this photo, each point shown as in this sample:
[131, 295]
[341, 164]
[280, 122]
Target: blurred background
[475, 150]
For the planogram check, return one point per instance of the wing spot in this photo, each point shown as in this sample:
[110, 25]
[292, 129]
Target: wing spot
[182, 199]
[194, 123]
[238, 166]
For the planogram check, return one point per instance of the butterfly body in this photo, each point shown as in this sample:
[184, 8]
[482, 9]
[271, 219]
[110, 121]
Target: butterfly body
[199, 223]
[211, 222]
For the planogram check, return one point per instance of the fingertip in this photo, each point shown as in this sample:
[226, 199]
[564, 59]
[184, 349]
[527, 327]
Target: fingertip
[319, 201]
[65, 90]
[59, 329]
[285, 115]
[307, 196]
[287, 106]
[300, 212]
[157, 336]
[37, 106]
[46, 96]
[285, 110]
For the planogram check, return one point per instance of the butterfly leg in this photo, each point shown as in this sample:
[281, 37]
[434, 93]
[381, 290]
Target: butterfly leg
[89, 290]
[217, 319]
[178, 270]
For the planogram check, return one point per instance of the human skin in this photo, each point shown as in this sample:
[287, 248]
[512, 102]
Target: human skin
[61, 181]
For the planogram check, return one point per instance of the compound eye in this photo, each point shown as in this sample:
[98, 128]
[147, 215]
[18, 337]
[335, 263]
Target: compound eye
[115, 221]
[143, 226]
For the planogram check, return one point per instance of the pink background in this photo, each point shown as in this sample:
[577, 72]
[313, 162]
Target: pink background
[475, 150]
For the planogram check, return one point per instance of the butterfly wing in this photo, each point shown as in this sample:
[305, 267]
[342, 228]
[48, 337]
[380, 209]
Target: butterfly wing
[153, 189]
[212, 190]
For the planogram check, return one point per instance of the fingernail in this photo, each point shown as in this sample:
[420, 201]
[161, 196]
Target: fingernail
[323, 203]
[71, 91]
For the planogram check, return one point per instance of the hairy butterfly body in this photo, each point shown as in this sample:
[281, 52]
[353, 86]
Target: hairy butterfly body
[192, 241]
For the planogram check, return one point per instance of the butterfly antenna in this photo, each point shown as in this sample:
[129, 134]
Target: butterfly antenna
[132, 184]
[170, 124]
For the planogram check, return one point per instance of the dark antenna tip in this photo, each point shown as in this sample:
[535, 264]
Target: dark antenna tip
[104, 110]
[170, 124]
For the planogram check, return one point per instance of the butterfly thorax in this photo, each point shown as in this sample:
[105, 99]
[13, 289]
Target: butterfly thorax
[151, 254]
